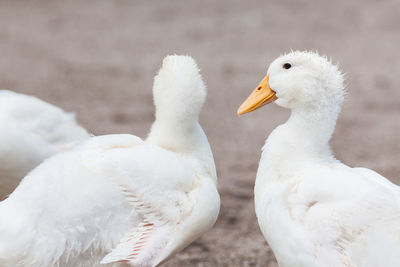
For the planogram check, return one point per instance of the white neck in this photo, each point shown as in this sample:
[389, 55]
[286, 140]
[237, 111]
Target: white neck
[303, 139]
[178, 137]
[310, 130]
[186, 139]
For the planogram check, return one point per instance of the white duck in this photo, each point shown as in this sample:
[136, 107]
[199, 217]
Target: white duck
[117, 199]
[312, 209]
[30, 131]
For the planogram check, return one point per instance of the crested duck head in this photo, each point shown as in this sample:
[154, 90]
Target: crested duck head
[179, 92]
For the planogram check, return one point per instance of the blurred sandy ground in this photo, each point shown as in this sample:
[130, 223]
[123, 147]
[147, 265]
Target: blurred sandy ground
[98, 58]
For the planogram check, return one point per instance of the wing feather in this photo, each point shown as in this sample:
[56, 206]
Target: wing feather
[156, 183]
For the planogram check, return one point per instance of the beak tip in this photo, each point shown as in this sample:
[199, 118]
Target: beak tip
[240, 112]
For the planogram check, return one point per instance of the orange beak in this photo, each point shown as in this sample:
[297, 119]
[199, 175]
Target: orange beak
[261, 96]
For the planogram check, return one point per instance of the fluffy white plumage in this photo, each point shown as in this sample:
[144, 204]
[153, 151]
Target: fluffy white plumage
[30, 131]
[313, 210]
[116, 199]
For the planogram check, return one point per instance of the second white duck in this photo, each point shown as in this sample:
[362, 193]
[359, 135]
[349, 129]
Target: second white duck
[313, 210]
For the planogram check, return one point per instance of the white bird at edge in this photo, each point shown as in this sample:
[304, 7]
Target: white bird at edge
[118, 200]
[31, 130]
[313, 210]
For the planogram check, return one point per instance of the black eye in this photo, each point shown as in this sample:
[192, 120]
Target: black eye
[286, 66]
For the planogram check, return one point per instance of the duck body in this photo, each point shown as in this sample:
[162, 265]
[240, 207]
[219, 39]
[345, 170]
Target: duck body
[91, 196]
[31, 130]
[313, 210]
[118, 200]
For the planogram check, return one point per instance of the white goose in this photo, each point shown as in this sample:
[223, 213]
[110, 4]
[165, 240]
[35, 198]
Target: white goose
[116, 199]
[313, 210]
[30, 131]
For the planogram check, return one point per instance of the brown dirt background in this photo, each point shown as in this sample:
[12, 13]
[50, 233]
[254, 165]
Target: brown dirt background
[98, 58]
